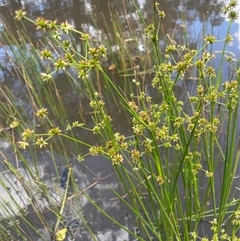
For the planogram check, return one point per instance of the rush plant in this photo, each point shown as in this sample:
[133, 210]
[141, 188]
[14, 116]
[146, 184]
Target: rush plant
[177, 168]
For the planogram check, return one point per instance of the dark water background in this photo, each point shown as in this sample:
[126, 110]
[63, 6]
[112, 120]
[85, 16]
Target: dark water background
[87, 16]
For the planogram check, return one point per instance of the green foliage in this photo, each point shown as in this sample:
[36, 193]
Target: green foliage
[169, 165]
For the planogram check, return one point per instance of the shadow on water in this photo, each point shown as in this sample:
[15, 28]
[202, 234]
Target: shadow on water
[95, 175]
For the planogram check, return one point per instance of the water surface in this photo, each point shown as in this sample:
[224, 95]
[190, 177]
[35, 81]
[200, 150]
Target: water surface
[96, 175]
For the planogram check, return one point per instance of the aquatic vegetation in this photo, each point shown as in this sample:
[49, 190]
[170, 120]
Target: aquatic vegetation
[64, 177]
[178, 161]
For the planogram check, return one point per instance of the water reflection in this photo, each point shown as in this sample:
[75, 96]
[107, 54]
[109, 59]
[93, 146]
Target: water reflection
[85, 14]
[97, 17]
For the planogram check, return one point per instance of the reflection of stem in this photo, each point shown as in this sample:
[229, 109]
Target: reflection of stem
[64, 201]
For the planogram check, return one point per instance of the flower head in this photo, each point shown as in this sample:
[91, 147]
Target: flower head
[19, 14]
